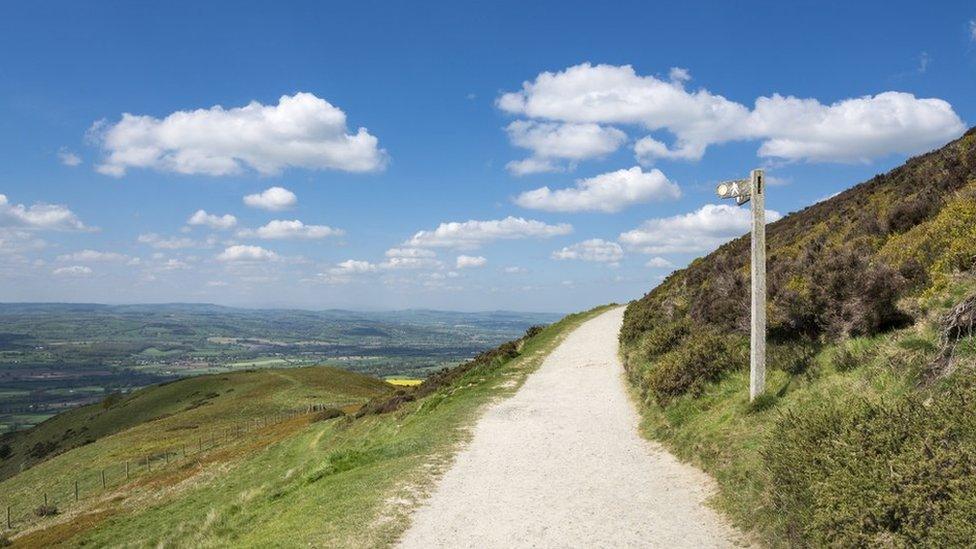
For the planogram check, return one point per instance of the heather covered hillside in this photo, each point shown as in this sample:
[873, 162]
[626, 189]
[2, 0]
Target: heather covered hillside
[865, 434]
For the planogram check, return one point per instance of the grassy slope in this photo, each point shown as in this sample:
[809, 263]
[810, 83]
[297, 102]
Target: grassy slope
[338, 483]
[832, 454]
[205, 402]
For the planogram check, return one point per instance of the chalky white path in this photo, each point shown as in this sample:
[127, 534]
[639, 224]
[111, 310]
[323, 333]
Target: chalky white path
[561, 464]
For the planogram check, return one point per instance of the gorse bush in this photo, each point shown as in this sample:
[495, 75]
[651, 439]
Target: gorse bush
[699, 360]
[863, 474]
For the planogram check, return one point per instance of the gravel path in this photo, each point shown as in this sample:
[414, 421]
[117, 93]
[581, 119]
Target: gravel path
[561, 464]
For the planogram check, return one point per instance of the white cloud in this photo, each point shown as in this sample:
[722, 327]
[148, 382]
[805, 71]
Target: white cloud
[467, 261]
[594, 249]
[68, 158]
[355, 266]
[514, 270]
[659, 263]
[301, 131]
[473, 234]
[163, 243]
[173, 264]
[38, 216]
[244, 253]
[14, 241]
[700, 231]
[91, 256]
[532, 165]
[274, 199]
[609, 192]
[972, 30]
[608, 94]
[74, 270]
[409, 263]
[281, 229]
[218, 222]
[412, 253]
[850, 130]
[549, 140]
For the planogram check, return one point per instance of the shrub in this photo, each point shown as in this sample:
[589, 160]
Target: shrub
[46, 510]
[856, 474]
[5, 451]
[701, 359]
[663, 338]
[533, 331]
[326, 414]
[111, 400]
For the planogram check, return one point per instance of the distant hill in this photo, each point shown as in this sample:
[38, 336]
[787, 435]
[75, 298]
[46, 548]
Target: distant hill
[859, 290]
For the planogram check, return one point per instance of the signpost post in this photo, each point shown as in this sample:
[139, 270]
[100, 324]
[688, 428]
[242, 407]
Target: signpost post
[754, 190]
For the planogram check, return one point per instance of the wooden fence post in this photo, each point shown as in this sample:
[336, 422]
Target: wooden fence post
[126, 469]
[103, 479]
[76, 490]
[8, 517]
[45, 499]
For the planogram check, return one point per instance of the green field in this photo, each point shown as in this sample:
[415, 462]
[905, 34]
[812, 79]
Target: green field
[342, 482]
[56, 356]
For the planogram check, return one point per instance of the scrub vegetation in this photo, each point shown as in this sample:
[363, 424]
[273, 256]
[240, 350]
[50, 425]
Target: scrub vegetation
[866, 435]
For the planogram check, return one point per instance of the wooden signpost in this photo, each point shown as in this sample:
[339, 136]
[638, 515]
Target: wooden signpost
[753, 190]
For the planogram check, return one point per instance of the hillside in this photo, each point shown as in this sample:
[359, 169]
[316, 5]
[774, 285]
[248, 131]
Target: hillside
[867, 420]
[189, 405]
[345, 474]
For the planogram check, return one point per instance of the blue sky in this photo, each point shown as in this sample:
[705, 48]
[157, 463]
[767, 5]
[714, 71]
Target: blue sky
[628, 113]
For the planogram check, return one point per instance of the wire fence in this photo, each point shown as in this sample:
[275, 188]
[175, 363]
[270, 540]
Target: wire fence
[88, 484]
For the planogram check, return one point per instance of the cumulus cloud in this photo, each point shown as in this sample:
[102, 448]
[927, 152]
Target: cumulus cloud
[302, 131]
[700, 231]
[68, 158]
[73, 270]
[467, 261]
[594, 249]
[609, 192]
[218, 222]
[568, 141]
[274, 199]
[282, 229]
[245, 253]
[165, 243]
[92, 256]
[850, 130]
[473, 234]
[658, 263]
[38, 216]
